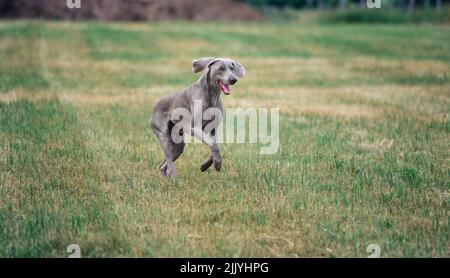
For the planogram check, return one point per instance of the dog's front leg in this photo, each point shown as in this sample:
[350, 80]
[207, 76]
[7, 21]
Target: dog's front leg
[212, 144]
[217, 157]
[206, 164]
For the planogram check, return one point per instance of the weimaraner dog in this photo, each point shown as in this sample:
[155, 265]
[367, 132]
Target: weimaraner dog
[218, 75]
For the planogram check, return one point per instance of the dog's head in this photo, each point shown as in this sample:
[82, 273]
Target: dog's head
[223, 72]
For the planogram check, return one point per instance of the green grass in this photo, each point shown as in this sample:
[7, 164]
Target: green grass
[364, 132]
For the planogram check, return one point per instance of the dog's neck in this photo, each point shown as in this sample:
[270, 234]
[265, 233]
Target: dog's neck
[212, 89]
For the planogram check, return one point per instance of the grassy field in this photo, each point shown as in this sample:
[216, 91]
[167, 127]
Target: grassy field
[364, 135]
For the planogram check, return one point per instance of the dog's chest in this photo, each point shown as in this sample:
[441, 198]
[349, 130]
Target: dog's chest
[212, 112]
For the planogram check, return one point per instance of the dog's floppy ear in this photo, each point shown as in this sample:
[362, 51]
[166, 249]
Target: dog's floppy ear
[199, 65]
[239, 69]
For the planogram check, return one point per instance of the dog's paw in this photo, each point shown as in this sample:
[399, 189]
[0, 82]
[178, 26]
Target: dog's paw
[218, 165]
[171, 173]
[163, 172]
[205, 165]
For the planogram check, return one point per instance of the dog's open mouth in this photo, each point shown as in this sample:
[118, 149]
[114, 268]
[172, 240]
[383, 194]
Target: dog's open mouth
[225, 88]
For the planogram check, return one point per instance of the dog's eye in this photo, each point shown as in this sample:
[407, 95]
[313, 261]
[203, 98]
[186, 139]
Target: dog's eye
[222, 68]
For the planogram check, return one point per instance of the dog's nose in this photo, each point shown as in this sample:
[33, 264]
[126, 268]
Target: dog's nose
[232, 80]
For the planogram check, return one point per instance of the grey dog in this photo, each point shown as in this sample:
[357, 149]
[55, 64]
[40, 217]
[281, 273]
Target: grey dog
[218, 75]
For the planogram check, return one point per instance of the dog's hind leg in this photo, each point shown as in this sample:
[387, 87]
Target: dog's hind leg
[163, 167]
[167, 166]
[177, 150]
[160, 126]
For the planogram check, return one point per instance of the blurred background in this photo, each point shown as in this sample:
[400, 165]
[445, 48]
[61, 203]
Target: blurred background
[231, 10]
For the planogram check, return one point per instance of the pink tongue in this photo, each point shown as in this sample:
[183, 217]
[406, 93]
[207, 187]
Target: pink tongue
[225, 88]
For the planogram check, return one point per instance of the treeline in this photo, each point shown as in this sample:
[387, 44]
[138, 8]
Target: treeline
[342, 4]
